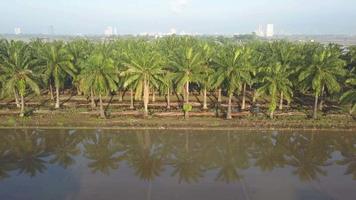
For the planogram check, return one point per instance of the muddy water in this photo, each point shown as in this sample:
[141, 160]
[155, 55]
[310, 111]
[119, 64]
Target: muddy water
[170, 165]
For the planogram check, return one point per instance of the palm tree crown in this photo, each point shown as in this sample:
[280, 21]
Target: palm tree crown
[17, 71]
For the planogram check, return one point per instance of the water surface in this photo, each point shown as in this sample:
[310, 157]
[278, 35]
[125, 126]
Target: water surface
[170, 165]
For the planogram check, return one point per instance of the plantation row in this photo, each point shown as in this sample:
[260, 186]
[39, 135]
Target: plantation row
[276, 71]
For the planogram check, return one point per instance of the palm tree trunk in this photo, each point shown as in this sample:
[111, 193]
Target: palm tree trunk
[168, 99]
[57, 98]
[219, 95]
[243, 106]
[17, 99]
[254, 96]
[131, 99]
[321, 105]
[51, 91]
[205, 105]
[120, 96]
[281, 102]
[315, 114]
[92, 99]
[146, 94]
[187, 92]
[102, 113]
[77, 89]
[186, 115]
[228, 115]
[153, 96]
[22, 113]
[271, 114]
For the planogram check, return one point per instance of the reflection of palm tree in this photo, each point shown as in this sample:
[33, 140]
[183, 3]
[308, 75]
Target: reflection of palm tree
[103, 153]
[308, 156]
[64, 148]
[268, 154]
[307, 169]
[147, 166]
[350, 161]
[187, 165]
[29, 152]
[6, 160]
[233, 156]
[346, 146]
[146, 158]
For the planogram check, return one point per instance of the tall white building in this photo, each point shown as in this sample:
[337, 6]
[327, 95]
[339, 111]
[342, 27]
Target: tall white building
[109, 31]
[259, 31]
[270, 30]
[173, 31]
[17, 31]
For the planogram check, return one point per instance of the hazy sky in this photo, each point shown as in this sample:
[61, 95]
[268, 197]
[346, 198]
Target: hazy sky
[203, 16]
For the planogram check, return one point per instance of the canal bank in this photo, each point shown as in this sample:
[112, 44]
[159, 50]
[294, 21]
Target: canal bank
[336, 122]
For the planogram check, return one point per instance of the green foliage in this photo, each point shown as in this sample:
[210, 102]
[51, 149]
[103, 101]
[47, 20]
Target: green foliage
[349, 97]
[232, 67]
[322, 69]
[186, 62]
[17, 69]
[99, 74]
[187, 107]
[274, 81]
[142, 64]
[271, 69]
[54, 63]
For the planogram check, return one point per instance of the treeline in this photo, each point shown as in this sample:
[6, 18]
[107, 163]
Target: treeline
[275, 71]
[187, 156]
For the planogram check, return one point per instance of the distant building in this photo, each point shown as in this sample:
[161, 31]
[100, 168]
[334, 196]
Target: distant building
[17, 31]
[173, 31]
[51, 30]
[260, 32]
[270, 30]
[109, 31]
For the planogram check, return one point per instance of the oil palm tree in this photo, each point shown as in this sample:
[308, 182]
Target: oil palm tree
[206, 78]
[247, 70]
[144, 69]
[230, 71]
[17, 72]
[350, 58]
[79, 51]
[55, 64]
[167, 87]
[165, 47]
[321, 72]
[275, 81]
[5, 51]
[99, 77]
[350, 95]
[284, 53]
[186, 65]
